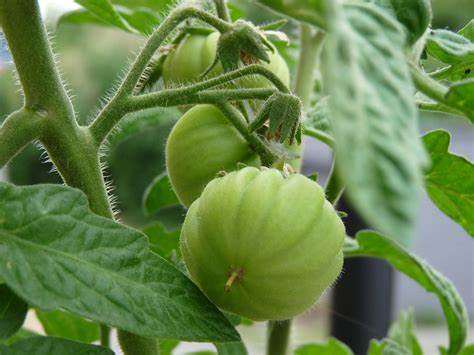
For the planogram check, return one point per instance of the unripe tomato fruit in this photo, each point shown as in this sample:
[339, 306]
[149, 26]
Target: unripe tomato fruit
[196, 52]
[201, 144]
[261, 245]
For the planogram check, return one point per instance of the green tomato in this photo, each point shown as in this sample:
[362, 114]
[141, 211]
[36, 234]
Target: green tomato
[195, 53]
[261, 245]
[200, 145]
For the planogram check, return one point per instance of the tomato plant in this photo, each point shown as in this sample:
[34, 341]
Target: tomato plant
[259, 239]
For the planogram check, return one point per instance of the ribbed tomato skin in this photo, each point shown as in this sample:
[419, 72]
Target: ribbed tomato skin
[200, 145]
[195, 53]
[281, 234]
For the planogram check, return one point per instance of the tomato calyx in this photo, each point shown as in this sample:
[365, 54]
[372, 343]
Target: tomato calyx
[283, 112]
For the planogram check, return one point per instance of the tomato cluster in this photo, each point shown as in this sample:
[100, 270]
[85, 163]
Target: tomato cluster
[257, 243]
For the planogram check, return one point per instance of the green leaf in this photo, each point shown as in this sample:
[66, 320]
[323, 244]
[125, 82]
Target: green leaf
[461, 95]
[450, 180]
[159, 195]
[167, 346]
[402, 332]
[371, 244]
[373, 118]
[96, 268]
[142, 19]
[468, 31]
[317, 116]
[12, 312]
[52, 346]
[455, 72]
[235, 348]
[331, 347]
[309, 11]
[163, 242]
[449, 47]
[65, 325]
[467, 350]
[20, 335]
[386, 347]
[414, 15]
[104, 10]
[81, 17]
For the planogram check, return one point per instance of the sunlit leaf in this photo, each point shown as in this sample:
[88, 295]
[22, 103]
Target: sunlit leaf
[65, 325]
[450, 180]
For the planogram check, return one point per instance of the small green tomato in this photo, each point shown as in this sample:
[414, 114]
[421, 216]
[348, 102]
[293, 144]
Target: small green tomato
[195, 53]
[261, 245]
[200, 145]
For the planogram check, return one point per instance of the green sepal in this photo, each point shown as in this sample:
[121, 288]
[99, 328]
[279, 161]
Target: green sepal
[243, 40]
[283, 111]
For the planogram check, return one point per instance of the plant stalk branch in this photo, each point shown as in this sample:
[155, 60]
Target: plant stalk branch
[238, 121]
[113, 111]
[222, 10]
[18, 129]
[320, 135]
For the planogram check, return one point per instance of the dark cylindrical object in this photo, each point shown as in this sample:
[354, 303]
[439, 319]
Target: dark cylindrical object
[362, 297]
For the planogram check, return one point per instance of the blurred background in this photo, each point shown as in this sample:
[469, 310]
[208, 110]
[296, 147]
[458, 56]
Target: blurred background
[92, 57]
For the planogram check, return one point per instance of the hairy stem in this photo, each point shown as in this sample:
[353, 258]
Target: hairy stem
[222, 9]
[28, 43]
[429, 86]
[114, 110]
[238, 121]
[18, 129]
[278, 333]
[175, 97]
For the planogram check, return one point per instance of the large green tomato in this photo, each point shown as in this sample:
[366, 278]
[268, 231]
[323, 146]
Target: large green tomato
[200, 145]
[195, 53]
[261, 245]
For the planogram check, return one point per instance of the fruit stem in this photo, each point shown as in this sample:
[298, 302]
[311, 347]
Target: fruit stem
[278, 337]
[232, 278]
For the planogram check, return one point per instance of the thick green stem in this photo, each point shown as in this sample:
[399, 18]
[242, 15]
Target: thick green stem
[134, 345]
[238, 121]
[18, 129]
[278, 337]
[28, 43]
[222, 10]
[428, 86]
[311, 41]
